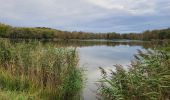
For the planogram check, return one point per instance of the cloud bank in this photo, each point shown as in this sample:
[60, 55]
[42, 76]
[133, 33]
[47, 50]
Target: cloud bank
[88, 15]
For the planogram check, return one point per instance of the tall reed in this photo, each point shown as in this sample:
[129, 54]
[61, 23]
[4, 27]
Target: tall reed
[148, 78]
[43, 71]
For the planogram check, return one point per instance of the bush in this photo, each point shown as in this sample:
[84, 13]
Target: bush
[41, 70]
[148, 78]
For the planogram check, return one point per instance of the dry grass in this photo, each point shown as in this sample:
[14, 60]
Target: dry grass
[43, 71]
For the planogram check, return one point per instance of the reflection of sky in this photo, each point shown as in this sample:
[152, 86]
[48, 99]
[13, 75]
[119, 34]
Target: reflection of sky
[104, 56]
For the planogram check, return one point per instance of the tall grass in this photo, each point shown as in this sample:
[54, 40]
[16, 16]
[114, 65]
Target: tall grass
[37, 71]
[148, 78]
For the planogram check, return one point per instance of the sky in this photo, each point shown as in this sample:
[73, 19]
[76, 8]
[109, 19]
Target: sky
[121, 16]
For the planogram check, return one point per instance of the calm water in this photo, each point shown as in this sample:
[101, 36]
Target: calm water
[104, 55]
[94, 54]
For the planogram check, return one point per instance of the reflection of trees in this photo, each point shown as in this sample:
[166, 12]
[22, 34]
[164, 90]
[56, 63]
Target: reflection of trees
[107, 43]
[82, 43]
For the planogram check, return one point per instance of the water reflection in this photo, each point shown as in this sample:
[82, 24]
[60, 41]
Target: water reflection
[105, 56]
[94, 54]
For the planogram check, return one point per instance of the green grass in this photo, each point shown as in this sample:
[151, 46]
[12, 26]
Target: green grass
[148, 78]
[165, 46]
[42, 72]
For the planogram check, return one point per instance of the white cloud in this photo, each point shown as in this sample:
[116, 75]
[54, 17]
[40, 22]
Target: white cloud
[83, 14]
[128, 6]
[108, 4]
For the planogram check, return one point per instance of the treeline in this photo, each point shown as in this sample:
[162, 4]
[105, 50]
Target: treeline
[7, 31]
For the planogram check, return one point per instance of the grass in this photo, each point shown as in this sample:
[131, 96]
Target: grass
[165, 46]
[148, 78]
[31, 70]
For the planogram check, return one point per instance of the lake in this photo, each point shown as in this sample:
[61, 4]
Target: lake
[101, 53]
[105, 54]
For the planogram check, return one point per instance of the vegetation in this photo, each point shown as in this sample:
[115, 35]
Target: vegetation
[33, 71]
[165, 46]
[148, 78]
[7, 31]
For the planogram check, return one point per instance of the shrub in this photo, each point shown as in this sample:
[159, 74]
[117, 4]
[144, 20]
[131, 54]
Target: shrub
[148, 78]
[41, 70]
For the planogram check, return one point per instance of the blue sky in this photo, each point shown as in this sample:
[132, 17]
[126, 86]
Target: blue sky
[88, 15]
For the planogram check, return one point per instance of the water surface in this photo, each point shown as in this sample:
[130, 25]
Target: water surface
[101, 53]
[106, 56]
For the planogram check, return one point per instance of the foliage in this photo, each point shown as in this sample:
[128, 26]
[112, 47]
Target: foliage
[148, 78]
[42, 72]
[7, 31]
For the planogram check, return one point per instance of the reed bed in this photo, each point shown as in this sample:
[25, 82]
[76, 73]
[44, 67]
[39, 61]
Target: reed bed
[148, 78]
[33, 71]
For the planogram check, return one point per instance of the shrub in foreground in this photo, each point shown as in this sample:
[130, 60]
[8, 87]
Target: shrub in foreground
[148, 78]
[40, 72]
